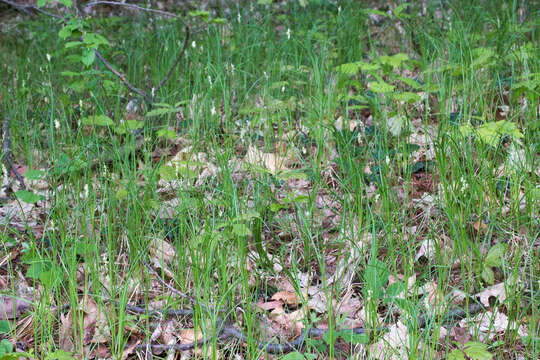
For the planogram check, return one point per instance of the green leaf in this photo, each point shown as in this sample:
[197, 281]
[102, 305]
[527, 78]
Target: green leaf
[395, 289]
[347, 68]
[241, 230]
[495, 255]
[166, 133]
[381, 87]
[394, 61]
[5, 327]
[94, 40]
[65, 32]
[71, 44]
[52, 276]
[398, 124]
[456, 355]
[128, 125]
[61, 355]
[97, 120]
[5, 348]
[367, 67]
[295, 355]
[88, 57]
[408, 97]
[167, 172]
[376, 277]
[487, 275]
[352, 338]
[477, 351]
[28, 196]
[205, 15]
[492, 132]
[35, 174]
[219, 21]
[41, 3]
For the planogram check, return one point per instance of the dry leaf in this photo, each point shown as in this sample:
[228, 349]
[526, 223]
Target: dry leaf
[272, 162]
[393, 345]
[287, 297]
[10, 310]
[95, 326]
[496, 291]
[65, 333]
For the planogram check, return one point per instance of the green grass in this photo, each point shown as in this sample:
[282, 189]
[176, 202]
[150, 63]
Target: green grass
[239, 233]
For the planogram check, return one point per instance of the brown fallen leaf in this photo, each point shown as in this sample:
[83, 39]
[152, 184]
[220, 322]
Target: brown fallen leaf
[10, 309]
[496, 291]
[287, 297]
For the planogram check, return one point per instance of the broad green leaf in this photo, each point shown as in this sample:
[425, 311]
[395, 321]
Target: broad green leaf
[374, 12]
[166, 133]
[456, 355]
[399, 11]
[41, 3]
[352, 338]
[408, 97]
[205, 15]
[395, 289]
[241, 230]
[128, 125]
[347, 68]
[394, 61]
[376, 277]
[71, 44]
[365, 66]
[35, 174]
[97, 120]
[411, 82]
[5, 348]
[51, 276]
[295, 355]
[492, 132]
[487, 275]
[167, 172]
[94, 40]
[482, 56]
[477, 351]
[398, 124]
[381, 87]
[88, 57]
[65, 32]
[28, 196]
[61, 355]
[495, 255]
[5, 327]
[219, 21]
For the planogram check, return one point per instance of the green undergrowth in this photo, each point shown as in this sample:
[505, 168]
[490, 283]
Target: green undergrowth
[378, 144]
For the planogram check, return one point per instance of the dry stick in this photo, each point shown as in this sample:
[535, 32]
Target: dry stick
[174, 290]
[26, 8]
[133, 6]
[122, 77]
[162, 82]
[229, 331]
[6, 151]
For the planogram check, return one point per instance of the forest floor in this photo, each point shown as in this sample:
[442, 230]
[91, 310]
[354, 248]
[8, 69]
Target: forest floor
[310, 181]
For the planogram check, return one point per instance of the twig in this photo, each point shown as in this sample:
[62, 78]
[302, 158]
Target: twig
[174, 290]
[122, 77]
[6, 151]
[133, 6]
[26, 9]
[162, 82]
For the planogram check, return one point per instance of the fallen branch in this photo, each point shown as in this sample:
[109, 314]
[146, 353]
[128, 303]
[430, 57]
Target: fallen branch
[6, 152]
[132, 6]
